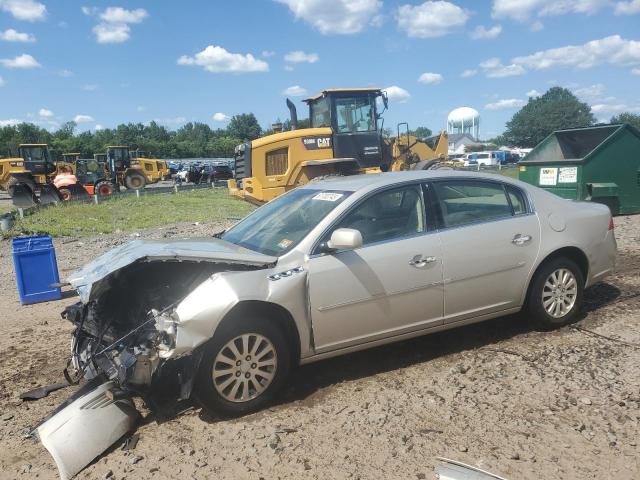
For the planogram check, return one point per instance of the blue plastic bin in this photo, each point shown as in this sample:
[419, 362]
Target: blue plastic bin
[34, 259]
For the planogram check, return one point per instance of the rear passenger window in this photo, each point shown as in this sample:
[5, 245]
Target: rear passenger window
[464, 202]
[517, 201]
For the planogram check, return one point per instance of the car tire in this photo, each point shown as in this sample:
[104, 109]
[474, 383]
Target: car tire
[556, 294]
[222, 369]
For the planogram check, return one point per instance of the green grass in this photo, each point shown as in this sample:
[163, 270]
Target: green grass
[128, 213]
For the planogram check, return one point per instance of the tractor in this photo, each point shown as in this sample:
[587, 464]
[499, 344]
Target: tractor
[345, 137]
[154, 169]
[31, 170]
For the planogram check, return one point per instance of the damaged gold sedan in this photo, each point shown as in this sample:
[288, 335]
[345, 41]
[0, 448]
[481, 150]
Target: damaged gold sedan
[326, 269]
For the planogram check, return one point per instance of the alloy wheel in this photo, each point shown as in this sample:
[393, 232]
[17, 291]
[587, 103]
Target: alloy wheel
[244, 367]
[559, 293]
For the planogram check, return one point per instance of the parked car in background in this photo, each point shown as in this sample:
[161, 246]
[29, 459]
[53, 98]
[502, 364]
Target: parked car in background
[329, 268]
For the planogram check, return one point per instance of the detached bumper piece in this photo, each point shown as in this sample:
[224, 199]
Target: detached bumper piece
[87, 425]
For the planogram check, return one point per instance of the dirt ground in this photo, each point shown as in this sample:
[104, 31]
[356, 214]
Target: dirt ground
[520, 403]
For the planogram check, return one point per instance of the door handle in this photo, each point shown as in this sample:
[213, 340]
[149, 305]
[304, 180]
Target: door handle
[419, 261]
[519, 239]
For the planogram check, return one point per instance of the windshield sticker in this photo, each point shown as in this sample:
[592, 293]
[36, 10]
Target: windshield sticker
[284, 243]
[328, 196]
[548, 176]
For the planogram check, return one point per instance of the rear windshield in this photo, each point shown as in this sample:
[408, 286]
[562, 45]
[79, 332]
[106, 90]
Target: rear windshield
[281, 224]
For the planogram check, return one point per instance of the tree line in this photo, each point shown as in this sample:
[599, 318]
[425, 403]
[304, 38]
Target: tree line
[556, 109]
[194, 139]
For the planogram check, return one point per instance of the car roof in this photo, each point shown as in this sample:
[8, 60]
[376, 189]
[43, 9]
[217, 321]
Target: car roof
[372, 181]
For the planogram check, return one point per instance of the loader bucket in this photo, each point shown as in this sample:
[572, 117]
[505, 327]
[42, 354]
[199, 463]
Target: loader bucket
[49, 194]
[77, 192]
[23, 196]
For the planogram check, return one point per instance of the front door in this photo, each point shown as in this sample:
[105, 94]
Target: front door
[391, 285]
[490, 242]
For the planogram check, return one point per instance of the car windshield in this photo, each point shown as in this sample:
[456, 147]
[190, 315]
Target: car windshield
[281, 224]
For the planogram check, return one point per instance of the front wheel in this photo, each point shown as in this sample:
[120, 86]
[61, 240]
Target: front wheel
[134, 181]
[243, 367]
[556, 293]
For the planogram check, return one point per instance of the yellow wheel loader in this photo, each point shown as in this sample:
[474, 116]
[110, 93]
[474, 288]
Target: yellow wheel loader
[154, 169]
[122, 167]
[344, 138]
[28, 173]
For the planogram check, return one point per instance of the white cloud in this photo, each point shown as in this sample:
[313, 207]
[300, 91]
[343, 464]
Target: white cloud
[140, 108]
[90, 87]
[2, 82]
[288, 68]
[268, 53]
[220, 117]
[336, 16]
[216, 59]
[21, 61]
[613, 50]
[12, 35]
[65, 73]
[627, 8]
[614, 108]
[493, 68]
[592, 92]
[28, 10]
[112, 32]
[9, 122]
[533, 93]
[523, 10]
[98, 127]
[114, 26]
[505, 103]
[430, 78]
[635, 71]
[397, 94]
[45, 113]
[536, 26]
[83, 118]
[483, 33]
[430, 19]
[298, 56]
[469, 72]
[121, 15]
[295, 91]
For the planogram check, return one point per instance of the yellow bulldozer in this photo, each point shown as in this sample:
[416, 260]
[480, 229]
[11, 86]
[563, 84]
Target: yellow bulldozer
[344, 138]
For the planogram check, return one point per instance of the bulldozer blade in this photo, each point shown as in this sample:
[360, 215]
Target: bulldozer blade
[49, 194]
[23, 197]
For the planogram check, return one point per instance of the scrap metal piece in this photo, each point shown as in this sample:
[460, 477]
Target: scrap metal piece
[448, 469]
[86, 427]
[43, 391]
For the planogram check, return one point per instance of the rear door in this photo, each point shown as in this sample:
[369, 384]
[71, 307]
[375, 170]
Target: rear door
[391, 285]
[490, 239]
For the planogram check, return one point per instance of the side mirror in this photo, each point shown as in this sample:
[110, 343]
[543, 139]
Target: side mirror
[345, 239]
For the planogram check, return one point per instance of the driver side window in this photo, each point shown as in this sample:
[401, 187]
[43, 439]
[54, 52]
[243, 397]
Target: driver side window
[387, 215]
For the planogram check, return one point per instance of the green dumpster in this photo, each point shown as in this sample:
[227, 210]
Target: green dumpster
[599, 164]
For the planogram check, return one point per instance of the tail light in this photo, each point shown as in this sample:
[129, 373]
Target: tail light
[610, 224]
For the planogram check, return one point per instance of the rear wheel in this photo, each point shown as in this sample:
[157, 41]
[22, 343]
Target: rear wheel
[65, 193]
[556, 293]
[104, 188]
[134, 181]
[243, 367]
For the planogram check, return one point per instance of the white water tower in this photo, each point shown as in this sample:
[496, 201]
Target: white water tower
[464, 120]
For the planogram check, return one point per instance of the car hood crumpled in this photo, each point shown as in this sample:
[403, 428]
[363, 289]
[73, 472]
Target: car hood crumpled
[195, 250]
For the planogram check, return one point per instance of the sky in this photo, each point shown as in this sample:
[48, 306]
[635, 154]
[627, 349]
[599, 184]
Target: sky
[102, 63]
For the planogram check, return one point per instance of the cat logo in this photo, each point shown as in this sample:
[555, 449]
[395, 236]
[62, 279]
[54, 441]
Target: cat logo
[316, 143]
